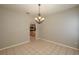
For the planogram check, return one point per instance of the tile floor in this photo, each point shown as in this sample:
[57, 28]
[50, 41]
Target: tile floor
[39, 47]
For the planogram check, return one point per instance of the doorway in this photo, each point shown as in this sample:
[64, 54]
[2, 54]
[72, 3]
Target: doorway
[32, 32]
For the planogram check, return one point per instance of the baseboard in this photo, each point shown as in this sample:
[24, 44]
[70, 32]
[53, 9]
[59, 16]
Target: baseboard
[60, 44]
[39, 39]
[14, 45]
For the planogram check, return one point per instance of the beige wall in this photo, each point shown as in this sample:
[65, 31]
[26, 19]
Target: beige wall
[14, 27]
[62, 27]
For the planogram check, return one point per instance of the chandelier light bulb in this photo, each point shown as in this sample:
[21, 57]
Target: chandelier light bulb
[42, 19]
[39, 17]
[36, 19]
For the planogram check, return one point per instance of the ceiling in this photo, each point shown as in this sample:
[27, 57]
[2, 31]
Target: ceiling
[32, 9]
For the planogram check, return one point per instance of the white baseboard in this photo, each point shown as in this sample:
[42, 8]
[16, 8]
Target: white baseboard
[60, 44]
[14, 45]
[39, 39]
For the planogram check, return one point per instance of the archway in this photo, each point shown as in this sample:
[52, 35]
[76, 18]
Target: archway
[32, 32]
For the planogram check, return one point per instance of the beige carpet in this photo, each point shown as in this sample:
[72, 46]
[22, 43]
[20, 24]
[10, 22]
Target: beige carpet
[39, 47]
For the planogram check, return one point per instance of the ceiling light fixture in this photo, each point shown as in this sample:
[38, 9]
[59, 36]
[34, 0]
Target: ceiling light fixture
[39, 19]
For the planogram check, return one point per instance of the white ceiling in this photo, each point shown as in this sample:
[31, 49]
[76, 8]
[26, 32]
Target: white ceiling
[46, 9]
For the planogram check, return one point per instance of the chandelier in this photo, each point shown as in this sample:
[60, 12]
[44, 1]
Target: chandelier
[39, 19]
